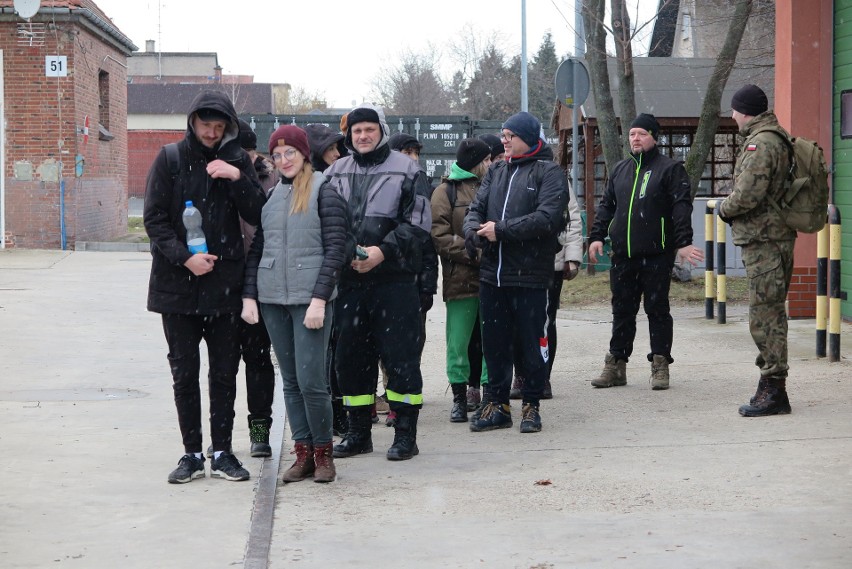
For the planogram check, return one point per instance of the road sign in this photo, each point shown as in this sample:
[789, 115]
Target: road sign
[571, 91]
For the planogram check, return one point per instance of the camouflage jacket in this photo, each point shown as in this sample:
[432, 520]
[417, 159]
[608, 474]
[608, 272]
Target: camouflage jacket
[759, 176]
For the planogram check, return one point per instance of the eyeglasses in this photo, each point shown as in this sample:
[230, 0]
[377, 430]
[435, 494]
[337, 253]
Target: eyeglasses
[507, 137]
[288, 154]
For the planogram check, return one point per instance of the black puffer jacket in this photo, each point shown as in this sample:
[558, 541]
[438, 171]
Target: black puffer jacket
[529, 217]
[173, 289]
[646, 208]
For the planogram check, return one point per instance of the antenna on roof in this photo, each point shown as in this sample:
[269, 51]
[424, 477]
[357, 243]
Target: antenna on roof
[27, 8]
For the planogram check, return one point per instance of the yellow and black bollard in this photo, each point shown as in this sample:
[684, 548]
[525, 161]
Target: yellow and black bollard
[709, 292]
[834, 255]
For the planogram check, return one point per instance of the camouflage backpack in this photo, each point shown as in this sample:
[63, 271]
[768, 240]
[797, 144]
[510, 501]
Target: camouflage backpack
[804, 205]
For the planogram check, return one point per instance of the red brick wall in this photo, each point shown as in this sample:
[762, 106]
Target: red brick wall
[143, 147]
[43, 116]
[801, 299]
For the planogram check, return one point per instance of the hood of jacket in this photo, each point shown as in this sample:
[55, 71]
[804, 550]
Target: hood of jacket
[229, 148]
[381, 151]
[320, 139]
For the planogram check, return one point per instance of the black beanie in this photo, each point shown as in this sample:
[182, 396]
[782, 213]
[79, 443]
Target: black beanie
[750, 100]
[526, 126]
[212, 115]
[362, 114]
[647, 122]
[493, 141]
[401, 141]
[248, 139]
[471, 152]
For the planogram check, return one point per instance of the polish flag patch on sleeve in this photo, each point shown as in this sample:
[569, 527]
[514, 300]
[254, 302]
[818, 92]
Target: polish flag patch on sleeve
[751, 147]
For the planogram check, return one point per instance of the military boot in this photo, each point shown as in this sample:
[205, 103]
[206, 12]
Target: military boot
[458, 414]
[770, 400]
[761, 385]
[259, 436]
[404, 444]
[614, 373]
[357, 439]
[659, 372]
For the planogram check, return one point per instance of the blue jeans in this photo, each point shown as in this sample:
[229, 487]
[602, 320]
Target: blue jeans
[301, 359]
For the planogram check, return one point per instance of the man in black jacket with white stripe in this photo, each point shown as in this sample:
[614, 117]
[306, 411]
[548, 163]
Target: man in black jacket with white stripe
[515, 218]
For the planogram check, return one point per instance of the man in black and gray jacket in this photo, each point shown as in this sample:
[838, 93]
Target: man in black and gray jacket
[377, 312]
[516, 218]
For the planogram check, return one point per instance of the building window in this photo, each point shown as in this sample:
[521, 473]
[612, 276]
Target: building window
[103, 107]
[846, 114]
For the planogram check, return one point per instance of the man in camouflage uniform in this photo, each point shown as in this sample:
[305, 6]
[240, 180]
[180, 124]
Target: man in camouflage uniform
[767, 243]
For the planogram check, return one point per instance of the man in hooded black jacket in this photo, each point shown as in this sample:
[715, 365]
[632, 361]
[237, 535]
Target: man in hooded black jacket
[200, 295]
[516, 217]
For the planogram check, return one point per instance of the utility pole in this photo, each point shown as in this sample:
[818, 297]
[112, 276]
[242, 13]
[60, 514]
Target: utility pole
[579, 50]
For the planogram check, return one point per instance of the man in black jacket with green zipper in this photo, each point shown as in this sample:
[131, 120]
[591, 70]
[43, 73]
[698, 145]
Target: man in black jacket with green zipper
[647, 211]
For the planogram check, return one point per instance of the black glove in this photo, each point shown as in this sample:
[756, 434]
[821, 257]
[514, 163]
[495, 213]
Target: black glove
[426, 301]
[568, 273]
[471, 241]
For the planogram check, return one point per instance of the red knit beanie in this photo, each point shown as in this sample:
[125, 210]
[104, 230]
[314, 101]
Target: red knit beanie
[291, 135]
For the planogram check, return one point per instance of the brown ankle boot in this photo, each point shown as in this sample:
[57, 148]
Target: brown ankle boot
[324, 463]
[304, 465]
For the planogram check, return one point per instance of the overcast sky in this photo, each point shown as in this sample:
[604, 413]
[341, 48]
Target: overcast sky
[336, 47]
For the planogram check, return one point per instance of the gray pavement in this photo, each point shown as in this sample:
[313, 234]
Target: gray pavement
[622, 477]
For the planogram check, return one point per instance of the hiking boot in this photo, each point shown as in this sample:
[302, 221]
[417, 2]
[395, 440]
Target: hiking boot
[404, 444]
[304, 464]
[770, 400]
[530, 419]
[458, 414]
[339, 422]
[659, 372]
[382, 406]
[477, 413]
[189, 468]
[474, 398]
[324, 470]
[259, 436]
[493, 416]
[228, 467]
[390, 421]
[357, 439]
[547, 393]
[517, 387]
[614, 373]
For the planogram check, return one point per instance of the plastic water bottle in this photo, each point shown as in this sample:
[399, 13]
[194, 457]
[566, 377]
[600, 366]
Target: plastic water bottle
[195, 239]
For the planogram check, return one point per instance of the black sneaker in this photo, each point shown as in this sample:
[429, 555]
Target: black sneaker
[494, 416]
[189, 468]
[530, 419]
[228, 467]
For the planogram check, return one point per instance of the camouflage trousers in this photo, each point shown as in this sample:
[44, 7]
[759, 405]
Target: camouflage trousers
[769, 267]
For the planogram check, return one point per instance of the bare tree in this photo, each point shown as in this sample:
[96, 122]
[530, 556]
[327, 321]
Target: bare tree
[708, 124]
[624, 63]
[593, 17]
[414, 86]
[301, 101]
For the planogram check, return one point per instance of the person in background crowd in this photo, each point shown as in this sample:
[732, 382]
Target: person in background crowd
[326, 146]
[378, 309]
[255, 345]
[646, 209]
[293, 267]
[760, 177]
[497, 151]
[565, 267]
[516, 218]
[199, 295]
[450, 203]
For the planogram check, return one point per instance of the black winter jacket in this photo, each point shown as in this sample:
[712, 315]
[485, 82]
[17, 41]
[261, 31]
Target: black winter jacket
[646, 208]
[528, 216]
[174, 289]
